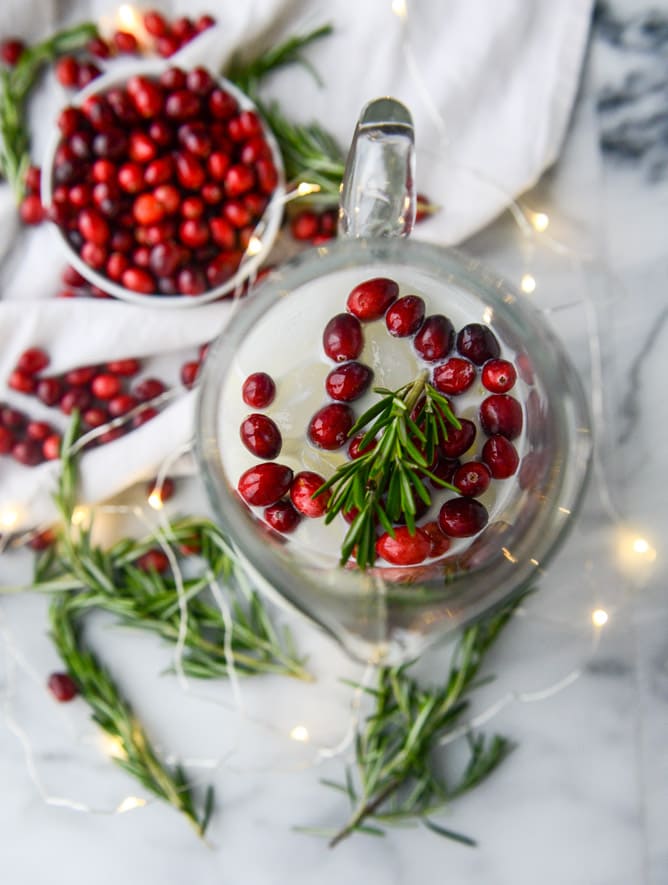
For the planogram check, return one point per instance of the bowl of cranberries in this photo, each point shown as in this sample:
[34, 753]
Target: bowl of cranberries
[394, 440]
[164, 184]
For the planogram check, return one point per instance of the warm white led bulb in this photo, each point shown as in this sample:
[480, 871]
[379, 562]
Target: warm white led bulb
[528, 283]
[599, 617]
[299, 733]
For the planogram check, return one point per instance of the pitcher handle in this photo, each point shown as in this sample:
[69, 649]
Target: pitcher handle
[378, 190]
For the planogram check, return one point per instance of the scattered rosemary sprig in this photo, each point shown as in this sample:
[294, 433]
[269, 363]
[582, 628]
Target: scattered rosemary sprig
[15, 86]
[396, 777]
[383, 484]
[310, 153]
[114, 715]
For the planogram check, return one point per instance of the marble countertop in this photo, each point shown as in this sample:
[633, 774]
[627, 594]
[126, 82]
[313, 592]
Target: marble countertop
[583, 800]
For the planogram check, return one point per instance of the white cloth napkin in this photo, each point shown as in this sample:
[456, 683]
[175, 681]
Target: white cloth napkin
[490, 86]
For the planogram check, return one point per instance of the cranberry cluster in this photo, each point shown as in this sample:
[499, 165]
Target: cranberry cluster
[457, 361]
[159, 185]
[28, 442]
[313, 227]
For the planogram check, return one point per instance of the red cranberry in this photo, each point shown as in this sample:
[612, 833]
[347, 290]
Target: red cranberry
[182, 105]
[105, 386]
[245, 125]
[204, 22]
[239, 179]
[51, 447]
[478, 343]
[11, 51]
[147, 97]
[459, 441]
[267, 176]
[49, 391]
[31, 210]
[370, 299]
[62, 687]
[454, 376]
[342, 339]
[80, 376]
[258, 390]
[194, 233]
[93, 227]
[95, 417]
[501, 413]
[282, 517]
[355, 448]
[303, 488]
[155, 23]
[12, 419]
[222, 233]
[164, 491]
[236, 213]
[104, 171]
[191, 281]
[98, 47]
[189, 374]
[305, 225]
[21, 382]
[144, 416]
[183, 29]
[222, 105]
[444, 469]
[148, 389]
[42, 540]
[264, 484]
[153, 561]
[500, 455]
[138, 280]
[405, 316]
[32, 361]
[261, 436]
[121, 404]
[462, 517]
[125, 42]
[166, 46]
[27, 452]
[33, 179]
[168, 196]
[348, 381]
[330, 426]
[67, 71]
[131, 178]
[38, 430]
[472, 479]
[404, 548]
[435, 338]
[440, 544]
[76, 398]
[498, 375]
[6, 440]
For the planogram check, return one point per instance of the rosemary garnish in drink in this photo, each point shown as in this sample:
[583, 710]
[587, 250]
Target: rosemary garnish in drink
[383, 485]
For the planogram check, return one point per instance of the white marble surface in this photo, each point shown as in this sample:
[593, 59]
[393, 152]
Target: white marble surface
[584, 798]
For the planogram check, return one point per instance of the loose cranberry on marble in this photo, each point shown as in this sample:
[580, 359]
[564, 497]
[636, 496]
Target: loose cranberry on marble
[62, 687]
[478, 343]
[264, 484]
[304, 486]
[258, 390]
[500, 455]
[348, 381]
[261, 436]
[405, 316]
[498, 375]
[342, 339]
[282, 517]
[501, 414]
[32, 361]
[454, 376]
[404, 548]
[369, 300]
[435, 338]
[462, 517]
[459, 440]
[472, 479]
[329, 427]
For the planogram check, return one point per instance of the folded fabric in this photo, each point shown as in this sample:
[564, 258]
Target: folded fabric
[490, 86]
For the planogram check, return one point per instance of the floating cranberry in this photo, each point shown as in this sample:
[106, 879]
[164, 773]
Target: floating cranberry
[501, 413]
[330, 426]
[264, 484]
[348, 381]
[459, 440]
[405, 316]
[282, 517]
[32, 361]
[500, 455]
[62, 687]
[478, 343]
[261, 436]
[370, 299]
[498, 375]
[462, 517]
[154, 560]
[444, 469]
[355, 448]
[342, 339]
[258, 390]
[472, 479]
[435, 339]
[454, 376]
[404, 548]
[440, 544]
[303, 488]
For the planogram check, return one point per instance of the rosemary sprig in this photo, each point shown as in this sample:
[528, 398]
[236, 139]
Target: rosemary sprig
[383, 484]
[310, 153]
[249, 75]
[395, 777]
[15, 86]
[115, 716]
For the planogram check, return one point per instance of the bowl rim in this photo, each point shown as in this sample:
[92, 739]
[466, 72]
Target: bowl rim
[265, 231]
